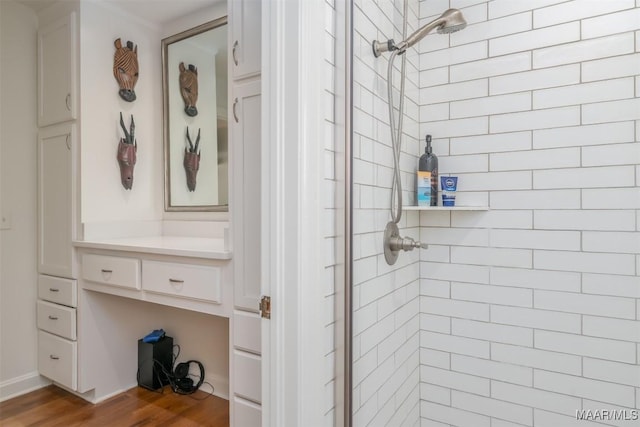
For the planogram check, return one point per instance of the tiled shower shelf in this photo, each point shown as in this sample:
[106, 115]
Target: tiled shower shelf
[445, 208]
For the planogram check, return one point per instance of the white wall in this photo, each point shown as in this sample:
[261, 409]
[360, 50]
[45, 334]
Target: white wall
[385, 298]
[531, 310]
[103, 197]
[18, 134]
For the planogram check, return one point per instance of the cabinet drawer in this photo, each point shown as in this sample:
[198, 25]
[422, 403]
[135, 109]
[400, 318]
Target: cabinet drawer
[109, 270]
[246, 414]
[58, 290]
[57, 359]
[248, 375]
[57, 319]
[246, 331]
[182, 280]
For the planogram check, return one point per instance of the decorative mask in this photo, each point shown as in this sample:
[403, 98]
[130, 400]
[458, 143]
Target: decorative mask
[127, 149]
[192, 161]
[125, 69]
[189, 88]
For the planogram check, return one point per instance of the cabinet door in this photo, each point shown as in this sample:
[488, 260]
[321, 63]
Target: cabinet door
[57, 71]
[245, 38]
[56, 201]
[245, 195]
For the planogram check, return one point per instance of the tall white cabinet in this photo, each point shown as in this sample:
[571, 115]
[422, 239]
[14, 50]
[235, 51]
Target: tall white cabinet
[245, 209]
[58, 202]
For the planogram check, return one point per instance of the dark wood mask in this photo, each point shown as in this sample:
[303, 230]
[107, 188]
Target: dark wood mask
[125, 69]
[127, 151]
[192, 161]
[189, 88]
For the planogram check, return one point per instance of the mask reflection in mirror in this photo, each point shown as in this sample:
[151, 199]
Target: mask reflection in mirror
[192, 161]
[195, 86]
[189, 88]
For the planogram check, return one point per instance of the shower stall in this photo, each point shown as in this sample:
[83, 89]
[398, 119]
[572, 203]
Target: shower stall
[521, 305]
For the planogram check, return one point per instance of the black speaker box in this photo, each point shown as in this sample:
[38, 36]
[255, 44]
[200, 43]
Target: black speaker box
[155, 362]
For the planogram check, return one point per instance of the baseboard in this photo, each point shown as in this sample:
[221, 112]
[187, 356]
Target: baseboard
[21, 385]
[221, 386]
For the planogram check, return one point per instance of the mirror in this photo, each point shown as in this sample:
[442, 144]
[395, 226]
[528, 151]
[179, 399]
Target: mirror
[194, 79]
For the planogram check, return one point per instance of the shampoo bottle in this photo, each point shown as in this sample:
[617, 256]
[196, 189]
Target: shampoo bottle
[429, 163]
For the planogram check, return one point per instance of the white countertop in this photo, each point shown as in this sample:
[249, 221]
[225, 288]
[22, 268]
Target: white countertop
[197, 247]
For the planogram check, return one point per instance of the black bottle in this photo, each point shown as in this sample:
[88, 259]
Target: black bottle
[429, 163]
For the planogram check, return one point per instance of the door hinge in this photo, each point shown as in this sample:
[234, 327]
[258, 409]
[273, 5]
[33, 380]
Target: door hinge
[265, 307]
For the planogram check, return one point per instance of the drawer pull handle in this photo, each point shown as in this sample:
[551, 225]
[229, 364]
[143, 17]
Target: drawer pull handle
[176, 281]
[53, 317]
[106, 271]
[67, 101]
[54, 290]
[52, 357]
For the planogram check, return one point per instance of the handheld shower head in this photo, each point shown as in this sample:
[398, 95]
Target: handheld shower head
[450, 21]
[453, 21]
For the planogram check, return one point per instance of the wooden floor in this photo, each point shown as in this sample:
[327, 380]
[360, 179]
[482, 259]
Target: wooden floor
[54, 407]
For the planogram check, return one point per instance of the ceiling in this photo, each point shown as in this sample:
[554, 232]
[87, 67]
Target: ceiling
[157, 11]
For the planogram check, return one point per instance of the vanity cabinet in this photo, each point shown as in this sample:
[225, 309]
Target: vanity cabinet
[57, 80]
[197, 284]
[245, 38]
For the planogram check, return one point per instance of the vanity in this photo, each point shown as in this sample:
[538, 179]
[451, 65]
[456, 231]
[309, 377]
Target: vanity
[116, 263]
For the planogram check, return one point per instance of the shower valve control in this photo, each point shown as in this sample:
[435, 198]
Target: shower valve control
[394, 243]
[405, 244]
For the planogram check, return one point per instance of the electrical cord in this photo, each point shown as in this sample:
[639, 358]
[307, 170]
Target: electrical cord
[170, 378]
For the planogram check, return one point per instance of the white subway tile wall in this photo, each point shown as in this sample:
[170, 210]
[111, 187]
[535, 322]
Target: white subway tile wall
[386, 299]
[531, 311]
[330, 230]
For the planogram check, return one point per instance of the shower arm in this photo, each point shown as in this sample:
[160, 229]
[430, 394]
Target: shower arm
[391, 45]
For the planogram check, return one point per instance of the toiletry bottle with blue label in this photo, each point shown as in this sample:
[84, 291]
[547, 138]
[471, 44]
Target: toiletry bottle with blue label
[429, 163]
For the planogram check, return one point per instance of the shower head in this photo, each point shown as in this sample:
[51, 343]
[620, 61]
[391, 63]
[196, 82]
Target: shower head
[453, 21]
[449, 22]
